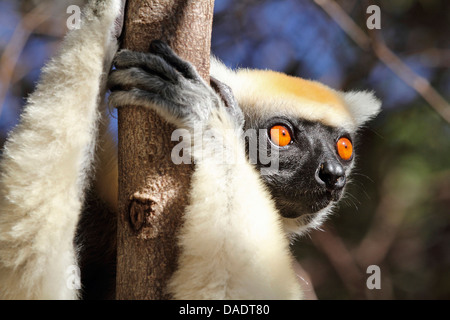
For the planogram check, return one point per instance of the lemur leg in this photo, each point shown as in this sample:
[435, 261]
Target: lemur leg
[232, 243]
[46, 162]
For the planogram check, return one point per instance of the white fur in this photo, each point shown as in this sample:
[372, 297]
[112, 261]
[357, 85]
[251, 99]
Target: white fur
[232, 242]
[46, 162]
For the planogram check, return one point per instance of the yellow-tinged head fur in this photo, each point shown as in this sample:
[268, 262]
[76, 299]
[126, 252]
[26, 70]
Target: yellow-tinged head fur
[265, 94]
[298, 97]
[280, 84]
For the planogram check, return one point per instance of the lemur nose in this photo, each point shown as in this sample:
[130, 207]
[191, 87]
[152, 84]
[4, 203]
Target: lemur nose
[331, 174]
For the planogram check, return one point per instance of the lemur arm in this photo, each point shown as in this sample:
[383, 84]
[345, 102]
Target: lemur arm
[232, 243]
[47, 158]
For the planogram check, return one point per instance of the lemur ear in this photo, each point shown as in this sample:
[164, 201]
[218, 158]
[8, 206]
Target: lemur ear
[363, 105]
[225, 92]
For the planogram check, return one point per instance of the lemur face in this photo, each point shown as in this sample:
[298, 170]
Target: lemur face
[314, 162]
[312, 127]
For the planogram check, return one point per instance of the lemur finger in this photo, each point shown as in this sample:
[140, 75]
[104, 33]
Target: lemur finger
[169, 110]
[126, 79]
[228, 98]
[185, 68]
[151, 63]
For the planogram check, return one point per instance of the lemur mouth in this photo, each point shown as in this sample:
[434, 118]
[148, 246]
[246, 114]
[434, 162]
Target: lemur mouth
[308, 204]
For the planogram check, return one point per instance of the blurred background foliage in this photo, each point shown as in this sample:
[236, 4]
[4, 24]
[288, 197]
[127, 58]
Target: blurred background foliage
[397, 211]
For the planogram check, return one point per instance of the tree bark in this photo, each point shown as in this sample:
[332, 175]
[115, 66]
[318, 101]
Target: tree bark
[153, 191]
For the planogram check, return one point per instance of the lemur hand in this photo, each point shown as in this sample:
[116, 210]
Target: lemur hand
[162, 81]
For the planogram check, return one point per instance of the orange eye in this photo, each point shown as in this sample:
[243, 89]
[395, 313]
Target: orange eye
[345, 148]
[280, 135]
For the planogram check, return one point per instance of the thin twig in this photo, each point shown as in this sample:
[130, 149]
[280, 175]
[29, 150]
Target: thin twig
[418, 83]
[384, 229]
[14, 48]
[341, 17]
[341, 259]
[387, 56]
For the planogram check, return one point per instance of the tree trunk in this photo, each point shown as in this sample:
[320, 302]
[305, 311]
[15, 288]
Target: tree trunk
[153, 191]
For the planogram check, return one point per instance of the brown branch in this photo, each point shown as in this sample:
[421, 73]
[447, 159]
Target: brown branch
[387, 56]
[153, 191]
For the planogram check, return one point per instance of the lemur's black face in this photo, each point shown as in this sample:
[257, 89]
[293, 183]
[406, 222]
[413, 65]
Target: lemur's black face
[314, 161]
